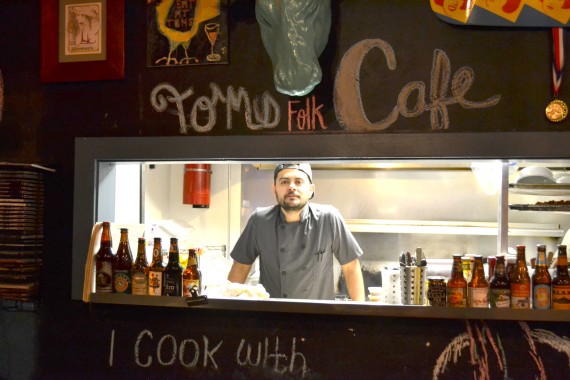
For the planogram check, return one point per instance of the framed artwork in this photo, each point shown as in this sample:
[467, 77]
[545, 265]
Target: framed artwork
[82, 40]
[187, 32]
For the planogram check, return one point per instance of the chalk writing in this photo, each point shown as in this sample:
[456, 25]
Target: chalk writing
[245, 359]
[169, 351]
[167, 344]
[483, 346]
[261, 113]
[347, 97]
[305, 118]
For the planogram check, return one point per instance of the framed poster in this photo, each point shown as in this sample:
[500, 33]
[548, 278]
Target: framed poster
[187, 32]
[82, 40]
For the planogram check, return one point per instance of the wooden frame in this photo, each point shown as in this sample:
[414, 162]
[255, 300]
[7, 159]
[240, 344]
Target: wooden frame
[108, 63]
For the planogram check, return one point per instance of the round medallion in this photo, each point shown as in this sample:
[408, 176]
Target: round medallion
[556, 111]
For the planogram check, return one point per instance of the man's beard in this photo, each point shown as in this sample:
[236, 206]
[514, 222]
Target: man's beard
[287, 207]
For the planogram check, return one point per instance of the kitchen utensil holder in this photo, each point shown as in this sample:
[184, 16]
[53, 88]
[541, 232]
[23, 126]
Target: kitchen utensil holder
[413, 285]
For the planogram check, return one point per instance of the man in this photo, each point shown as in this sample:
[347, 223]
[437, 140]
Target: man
[296, 242]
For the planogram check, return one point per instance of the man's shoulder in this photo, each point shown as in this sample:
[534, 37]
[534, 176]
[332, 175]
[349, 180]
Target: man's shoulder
[322, 210]
[266, 212]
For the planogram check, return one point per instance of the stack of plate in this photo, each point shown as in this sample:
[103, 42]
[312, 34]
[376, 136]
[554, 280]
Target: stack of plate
[21, 230]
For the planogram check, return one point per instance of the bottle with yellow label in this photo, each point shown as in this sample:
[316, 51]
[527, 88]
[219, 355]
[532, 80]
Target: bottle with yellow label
[561, 282]
[541, 281]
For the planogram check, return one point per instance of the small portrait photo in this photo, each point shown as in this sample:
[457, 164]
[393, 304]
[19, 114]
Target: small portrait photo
[507, 9]
[458, 10]
[559, 10]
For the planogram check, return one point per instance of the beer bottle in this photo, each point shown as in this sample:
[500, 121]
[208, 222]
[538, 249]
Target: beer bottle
[191, 277]
[520, 282]
[541, 281]
[478, 289]
[173, 272]
[500, 286]
[156, 270]
[104, 262]
[457, 285]
[140, 270]
[561, 282]
[122, 277]
[511, 264]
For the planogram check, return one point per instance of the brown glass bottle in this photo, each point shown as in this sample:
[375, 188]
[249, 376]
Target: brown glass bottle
[104, 262]
[156, 270]
[122, 276]
[478, 288]
[191, 277]
[140, 270]
[457, 285]
[500, 286]
[520, 282]
[173, 272]
[561, 282]
[541, 281]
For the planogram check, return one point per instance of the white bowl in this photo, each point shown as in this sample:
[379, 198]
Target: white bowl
[564, 179]
[535, 179]
[538, 171]
[375, 290]
[374, 298]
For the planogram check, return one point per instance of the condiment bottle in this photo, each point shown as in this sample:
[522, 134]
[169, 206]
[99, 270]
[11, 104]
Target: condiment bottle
[140, 270]
[104, 262]
[156, 269]
[122, 276]
[520, 282]
[510, 268]
[541, 281]
[500, 286]
[561, 282]
[478, 289]
[173, 272]
[191, 277]
[457, 285]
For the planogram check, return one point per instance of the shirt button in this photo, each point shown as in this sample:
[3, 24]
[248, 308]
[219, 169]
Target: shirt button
[281, 250]
[306, 291]
[284, 273]
[305, 269]
[303, 246]
[284, 295]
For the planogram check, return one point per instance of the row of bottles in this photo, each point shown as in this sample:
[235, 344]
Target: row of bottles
[117, 273]
[512, 286]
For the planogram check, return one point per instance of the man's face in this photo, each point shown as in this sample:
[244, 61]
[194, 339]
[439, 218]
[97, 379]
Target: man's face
[292, 189]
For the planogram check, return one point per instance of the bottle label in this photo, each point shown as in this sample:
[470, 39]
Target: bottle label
[541, 297]
[140, 283]
[500, 298]
[478, 297]
[520, 296]
[172, 285]
[154, 283]
[190, 286]
[104, 278]
[456, 297]
[561, 297]
[122, 281]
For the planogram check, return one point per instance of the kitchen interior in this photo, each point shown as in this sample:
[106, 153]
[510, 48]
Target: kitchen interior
[444, 206]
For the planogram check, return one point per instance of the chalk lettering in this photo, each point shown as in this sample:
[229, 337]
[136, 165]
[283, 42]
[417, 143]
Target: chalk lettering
[306, 118]
[269, 356]
[111, 350]
[168, 351]
[261, 113]
[347, 97]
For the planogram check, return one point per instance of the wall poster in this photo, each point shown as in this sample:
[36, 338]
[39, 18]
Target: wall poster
[187, 32]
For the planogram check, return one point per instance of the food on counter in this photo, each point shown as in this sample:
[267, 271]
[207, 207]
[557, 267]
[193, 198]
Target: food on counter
[237, 290]
[553, 203]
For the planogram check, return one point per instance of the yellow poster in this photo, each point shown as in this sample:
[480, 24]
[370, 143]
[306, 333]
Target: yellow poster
[556, 9]
[458, 10]
[507, 9]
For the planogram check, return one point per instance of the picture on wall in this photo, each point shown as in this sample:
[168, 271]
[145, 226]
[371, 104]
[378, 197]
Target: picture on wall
[187, 32]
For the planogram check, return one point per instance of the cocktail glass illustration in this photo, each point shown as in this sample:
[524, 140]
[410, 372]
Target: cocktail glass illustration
[212, 31]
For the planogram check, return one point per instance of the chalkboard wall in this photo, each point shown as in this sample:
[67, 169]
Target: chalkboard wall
[510, 68]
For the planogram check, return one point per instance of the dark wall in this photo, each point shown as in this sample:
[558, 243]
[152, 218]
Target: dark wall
[40, 121]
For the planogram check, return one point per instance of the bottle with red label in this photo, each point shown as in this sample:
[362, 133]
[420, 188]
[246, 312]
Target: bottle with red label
[520, 282]
[541, 281]
[561, 282]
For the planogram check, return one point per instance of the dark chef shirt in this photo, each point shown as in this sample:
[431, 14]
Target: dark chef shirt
[296, 259]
